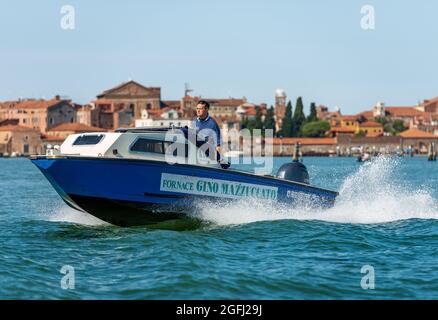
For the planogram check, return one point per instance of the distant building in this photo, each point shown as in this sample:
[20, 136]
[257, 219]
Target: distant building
[309, 146]
[355, 124]
[20, 141]
[84, 114]
[333, 118]
[39, 114]
[428, 123]
[430, 105]
[370, 128]
[121, 105]
[418, 139]
[165, 117]
[407, 114]
[64, 130]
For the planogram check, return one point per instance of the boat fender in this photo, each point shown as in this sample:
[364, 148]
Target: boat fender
[294, 171]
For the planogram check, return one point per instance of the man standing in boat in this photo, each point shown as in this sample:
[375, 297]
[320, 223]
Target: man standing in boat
[208, 130]
[204, 122]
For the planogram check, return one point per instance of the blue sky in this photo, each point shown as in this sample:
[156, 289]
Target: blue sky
[314, 49]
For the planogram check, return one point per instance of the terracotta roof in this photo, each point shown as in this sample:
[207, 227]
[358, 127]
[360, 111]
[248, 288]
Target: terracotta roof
[416, 133]
[366, 114]
[34, 104]
[403, 111]
[76, 127]
[349, 118]
[124, 84]
[305, 141]
[16, 128]
[371, 124]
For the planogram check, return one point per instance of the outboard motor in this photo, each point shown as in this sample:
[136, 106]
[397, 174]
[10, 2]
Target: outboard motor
[295, 170]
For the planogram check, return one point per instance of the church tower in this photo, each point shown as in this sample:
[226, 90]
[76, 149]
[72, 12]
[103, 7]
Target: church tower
[280, 107]
[379, 110]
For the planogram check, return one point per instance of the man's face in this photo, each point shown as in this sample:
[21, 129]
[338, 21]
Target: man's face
[201, 111]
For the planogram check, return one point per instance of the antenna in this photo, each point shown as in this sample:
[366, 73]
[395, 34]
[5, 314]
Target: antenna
[187, 89]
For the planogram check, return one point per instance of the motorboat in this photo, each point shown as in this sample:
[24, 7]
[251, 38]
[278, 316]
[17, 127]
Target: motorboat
[135, 177]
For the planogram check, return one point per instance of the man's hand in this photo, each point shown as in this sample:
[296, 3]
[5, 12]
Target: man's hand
[218, 149]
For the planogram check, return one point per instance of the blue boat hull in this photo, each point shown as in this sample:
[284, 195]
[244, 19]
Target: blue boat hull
[128, 192]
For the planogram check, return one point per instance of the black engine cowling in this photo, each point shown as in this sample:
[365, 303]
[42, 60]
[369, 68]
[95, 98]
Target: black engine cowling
[294, 171]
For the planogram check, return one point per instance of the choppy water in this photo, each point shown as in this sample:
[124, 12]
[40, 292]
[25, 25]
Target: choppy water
[385, 217]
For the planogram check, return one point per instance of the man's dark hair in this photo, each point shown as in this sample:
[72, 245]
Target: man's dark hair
[204, 103]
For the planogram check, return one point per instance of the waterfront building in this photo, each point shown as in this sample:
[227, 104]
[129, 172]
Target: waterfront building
[309, 146]
[16, 140]
[419, 140]
[38, 114]
[350, 144]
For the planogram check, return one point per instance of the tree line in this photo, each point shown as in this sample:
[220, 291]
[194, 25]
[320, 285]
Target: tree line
[294, 124]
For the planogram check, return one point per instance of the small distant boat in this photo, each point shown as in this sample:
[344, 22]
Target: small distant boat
[364, 157]
[123, 178]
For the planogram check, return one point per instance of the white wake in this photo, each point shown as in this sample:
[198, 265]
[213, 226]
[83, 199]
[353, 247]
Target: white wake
[367, 196]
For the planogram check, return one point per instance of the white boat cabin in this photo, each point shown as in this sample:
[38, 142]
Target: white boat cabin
[158, 144]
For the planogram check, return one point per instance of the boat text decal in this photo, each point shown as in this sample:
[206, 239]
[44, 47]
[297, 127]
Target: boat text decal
[216, 187]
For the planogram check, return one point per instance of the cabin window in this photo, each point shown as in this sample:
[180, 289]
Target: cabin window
[88, 140]
[148, 145]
